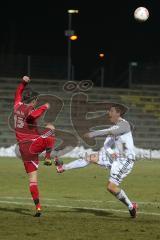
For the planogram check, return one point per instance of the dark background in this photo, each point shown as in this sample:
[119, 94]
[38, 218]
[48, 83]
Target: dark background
[37, 28]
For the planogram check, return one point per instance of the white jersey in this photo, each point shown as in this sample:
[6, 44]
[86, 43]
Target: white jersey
[117, 153]
[124, 146]
[119, 140]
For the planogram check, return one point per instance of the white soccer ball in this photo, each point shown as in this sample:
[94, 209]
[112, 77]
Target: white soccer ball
[141, 14]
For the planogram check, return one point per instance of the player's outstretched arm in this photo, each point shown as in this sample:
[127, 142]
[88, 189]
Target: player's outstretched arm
[102, 132]
[119, 129]
[20, 89]
[34, 114]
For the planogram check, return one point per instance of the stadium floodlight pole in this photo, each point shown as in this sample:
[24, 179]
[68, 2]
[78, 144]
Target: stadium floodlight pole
[101, 57]
[131, 65]
[102, 76]
[69, 33]
[69, 46]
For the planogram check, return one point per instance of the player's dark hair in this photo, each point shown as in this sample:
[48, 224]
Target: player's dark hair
[30, 95]
[120, 108]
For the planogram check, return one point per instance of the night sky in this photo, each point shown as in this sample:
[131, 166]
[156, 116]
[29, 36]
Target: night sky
[105, 26]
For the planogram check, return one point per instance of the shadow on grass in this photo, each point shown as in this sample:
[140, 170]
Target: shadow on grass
[95, 212]
[22, 211]
[98, 213]
[143, 219]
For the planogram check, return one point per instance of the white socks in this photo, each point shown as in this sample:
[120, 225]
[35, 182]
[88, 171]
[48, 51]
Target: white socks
[123, 198]
[79, 163]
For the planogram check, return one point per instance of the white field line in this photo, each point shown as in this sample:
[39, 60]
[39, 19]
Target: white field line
[54, 199]
[85, 208]
[76, 200]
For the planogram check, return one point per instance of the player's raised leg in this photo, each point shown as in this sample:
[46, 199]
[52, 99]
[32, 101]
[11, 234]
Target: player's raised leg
[79, 163]
[83, 162]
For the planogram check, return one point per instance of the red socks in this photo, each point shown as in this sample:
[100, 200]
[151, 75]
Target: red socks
[35, 193]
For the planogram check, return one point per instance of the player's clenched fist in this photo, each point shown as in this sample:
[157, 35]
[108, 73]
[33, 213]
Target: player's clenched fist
[26, 79]
[47, 105]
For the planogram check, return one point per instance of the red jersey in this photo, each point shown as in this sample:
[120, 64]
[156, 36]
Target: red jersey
[25, 117]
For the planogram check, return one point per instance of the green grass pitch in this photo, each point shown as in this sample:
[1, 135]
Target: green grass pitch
[76, 204]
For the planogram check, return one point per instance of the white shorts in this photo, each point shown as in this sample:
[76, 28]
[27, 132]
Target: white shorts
[120, 169]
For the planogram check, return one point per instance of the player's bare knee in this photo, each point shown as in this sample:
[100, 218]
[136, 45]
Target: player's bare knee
[93, 158]
[111, 187]
[33, 176]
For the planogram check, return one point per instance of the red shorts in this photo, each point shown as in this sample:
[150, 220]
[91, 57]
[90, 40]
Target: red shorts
[30, 159]
[31, 149]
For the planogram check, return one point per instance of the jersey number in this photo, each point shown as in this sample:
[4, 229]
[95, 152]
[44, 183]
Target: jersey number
[18, 122]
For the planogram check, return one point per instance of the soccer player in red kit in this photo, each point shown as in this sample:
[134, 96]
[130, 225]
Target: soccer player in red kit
[31, 139]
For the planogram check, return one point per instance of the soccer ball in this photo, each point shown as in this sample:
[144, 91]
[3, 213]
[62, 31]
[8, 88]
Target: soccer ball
[141, 14]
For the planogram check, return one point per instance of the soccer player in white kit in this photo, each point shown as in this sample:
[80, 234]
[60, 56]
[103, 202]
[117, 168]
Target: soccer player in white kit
[117, 154]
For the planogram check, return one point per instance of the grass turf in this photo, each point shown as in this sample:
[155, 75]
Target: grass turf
[76, 204]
